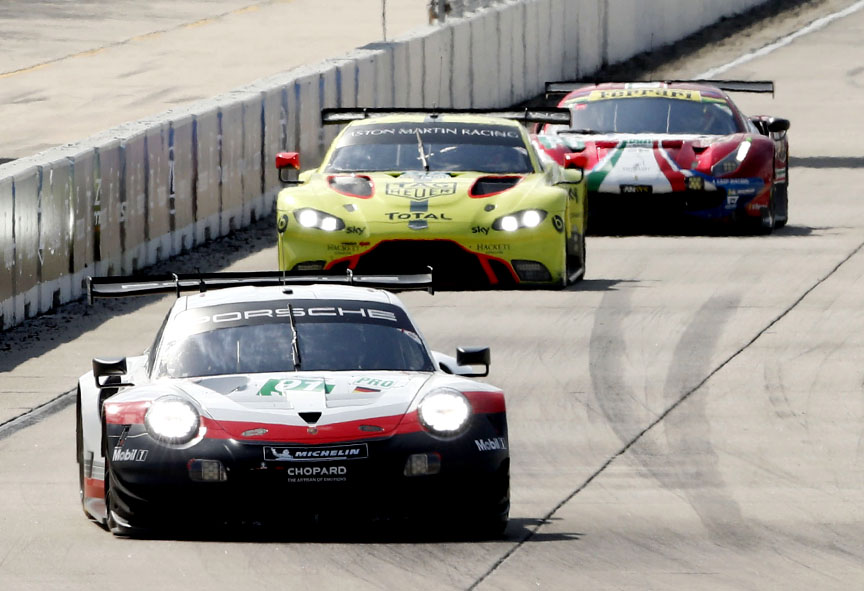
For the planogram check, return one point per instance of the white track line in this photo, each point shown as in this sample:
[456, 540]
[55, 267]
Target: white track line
[814, 26]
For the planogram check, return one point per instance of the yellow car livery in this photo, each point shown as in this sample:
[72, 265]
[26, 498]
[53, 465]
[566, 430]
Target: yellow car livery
[464, 194]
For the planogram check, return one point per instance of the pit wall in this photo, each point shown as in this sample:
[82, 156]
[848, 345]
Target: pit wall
[143, 192]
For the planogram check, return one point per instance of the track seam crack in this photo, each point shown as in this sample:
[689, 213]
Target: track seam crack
[36, 414]
[533, 532]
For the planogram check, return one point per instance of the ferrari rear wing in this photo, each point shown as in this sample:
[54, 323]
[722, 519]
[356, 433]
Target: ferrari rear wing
[136, 285]
[544, 115]
[557, 89]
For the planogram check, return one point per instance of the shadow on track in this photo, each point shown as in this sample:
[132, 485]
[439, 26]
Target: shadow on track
[332, 530]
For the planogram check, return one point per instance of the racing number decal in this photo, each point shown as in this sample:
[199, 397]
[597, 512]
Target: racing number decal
[281, 387]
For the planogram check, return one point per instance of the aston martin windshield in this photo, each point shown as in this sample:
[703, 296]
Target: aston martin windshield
[653, 115]
[431, 146]
[257, 338]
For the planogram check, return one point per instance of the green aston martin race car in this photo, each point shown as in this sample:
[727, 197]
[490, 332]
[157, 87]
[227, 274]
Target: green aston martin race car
[462, 192]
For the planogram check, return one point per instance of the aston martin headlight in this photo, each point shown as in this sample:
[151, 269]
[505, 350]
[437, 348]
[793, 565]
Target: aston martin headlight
[528, 218]
[312, 218]
[444, 412]
[172, 419]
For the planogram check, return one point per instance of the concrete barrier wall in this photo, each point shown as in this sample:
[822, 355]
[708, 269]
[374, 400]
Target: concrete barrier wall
[143, 192]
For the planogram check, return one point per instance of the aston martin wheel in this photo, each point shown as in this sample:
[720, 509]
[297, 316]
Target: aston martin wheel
[577, 262]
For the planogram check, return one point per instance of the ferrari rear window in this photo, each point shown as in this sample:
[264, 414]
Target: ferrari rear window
[435, 146]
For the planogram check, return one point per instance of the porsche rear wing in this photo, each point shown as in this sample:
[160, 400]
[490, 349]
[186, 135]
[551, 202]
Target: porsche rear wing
[545, 115]
[558, 89]
[136, 285]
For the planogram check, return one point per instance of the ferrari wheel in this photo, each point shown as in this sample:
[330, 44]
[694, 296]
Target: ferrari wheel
[769, 216]
[782, 214]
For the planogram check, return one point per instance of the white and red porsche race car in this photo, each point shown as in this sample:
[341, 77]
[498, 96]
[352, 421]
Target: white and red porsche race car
[265, 398]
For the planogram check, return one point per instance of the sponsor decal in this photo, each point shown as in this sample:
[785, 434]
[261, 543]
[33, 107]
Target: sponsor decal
[624, 93]
[481, 247]
[380, 384]
[357, 451]
[631, 189]
[364, 390]
[558, 223]
[445, 131]
[343, 247]
[318, 471]
[129, 455]
[282, 387]
[491, 444]
[317, 474]
[420, 191]
[282, 224]
[283, 313]
[480, 230]
[355, 230]
[416, 215]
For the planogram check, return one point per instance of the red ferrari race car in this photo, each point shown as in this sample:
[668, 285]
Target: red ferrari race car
[666, 150]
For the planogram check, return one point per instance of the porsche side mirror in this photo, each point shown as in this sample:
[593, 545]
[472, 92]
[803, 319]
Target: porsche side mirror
[109, 372]
[474, 356]
[285, 162]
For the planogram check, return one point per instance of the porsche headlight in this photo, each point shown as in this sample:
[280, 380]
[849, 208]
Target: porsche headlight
[312, 218]
[528, 218]
[172, 420]
[444, 412]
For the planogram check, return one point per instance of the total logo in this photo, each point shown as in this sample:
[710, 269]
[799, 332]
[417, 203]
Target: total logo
[129, 455]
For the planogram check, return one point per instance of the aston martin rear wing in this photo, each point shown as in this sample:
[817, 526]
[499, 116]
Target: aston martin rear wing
[559, 89]
[544, 115]
[136, 285]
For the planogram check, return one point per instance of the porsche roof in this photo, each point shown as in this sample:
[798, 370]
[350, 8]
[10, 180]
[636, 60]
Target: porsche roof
[267, 294]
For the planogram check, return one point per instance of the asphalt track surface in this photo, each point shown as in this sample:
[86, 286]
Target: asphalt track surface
[689, 417]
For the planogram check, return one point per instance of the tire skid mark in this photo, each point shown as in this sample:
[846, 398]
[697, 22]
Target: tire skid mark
[693, 462]
[600, 318]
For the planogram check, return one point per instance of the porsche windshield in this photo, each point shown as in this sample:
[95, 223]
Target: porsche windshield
[653, 115]
[258, 338]
[431, 146]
